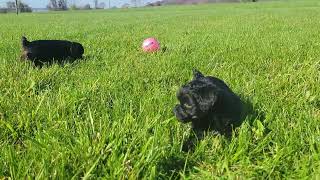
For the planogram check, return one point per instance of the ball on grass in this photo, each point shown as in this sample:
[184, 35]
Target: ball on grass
[150, 45]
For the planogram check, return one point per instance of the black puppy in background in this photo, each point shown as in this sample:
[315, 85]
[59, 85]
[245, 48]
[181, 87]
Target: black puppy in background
[209, 104]
[49, 51]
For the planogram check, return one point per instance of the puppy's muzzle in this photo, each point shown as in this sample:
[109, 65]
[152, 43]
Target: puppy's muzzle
[181, 114]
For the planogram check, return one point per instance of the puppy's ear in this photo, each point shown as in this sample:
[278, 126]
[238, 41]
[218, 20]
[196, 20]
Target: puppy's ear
[24, 41]
[197, 74]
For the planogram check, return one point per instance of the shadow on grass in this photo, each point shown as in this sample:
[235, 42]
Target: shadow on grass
[316, 104]
[173, 166]
[251, 112]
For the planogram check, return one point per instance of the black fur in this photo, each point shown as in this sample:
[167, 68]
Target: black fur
[48, 51]
[209, 104]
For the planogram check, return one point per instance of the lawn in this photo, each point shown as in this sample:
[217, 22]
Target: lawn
[110, 115]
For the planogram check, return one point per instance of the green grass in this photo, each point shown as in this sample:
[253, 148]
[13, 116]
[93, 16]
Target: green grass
[111, 115]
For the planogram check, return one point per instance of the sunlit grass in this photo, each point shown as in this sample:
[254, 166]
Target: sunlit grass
[110, 115]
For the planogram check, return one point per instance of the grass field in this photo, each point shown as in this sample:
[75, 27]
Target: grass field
[111, 115]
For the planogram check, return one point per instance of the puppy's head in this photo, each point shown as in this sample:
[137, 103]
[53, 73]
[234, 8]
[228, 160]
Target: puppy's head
[77, 50]
[25, 52]
[196, 99]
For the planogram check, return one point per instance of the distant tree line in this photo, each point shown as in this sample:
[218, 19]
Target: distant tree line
[164, 2]
[62, 5]
[11, 7]
[58, 5]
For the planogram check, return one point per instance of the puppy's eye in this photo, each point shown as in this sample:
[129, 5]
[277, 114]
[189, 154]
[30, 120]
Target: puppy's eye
[187, 106]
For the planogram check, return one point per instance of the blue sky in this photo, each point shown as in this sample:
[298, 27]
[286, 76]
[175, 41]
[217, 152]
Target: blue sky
[43, 3]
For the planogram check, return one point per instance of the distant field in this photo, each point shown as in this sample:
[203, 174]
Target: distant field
[110, 115]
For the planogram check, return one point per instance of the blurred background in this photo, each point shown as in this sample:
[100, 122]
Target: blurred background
[58, 5]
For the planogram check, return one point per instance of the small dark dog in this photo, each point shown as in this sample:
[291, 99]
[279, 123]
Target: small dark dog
[209, 104]
[48, 51]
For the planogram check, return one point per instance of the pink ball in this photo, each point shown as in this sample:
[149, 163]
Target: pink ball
[150, 45]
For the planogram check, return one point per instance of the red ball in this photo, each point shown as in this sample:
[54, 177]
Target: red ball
[150, 45]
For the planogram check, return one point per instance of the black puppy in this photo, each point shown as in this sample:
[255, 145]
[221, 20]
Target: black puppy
[209, 104]
[48, 51]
